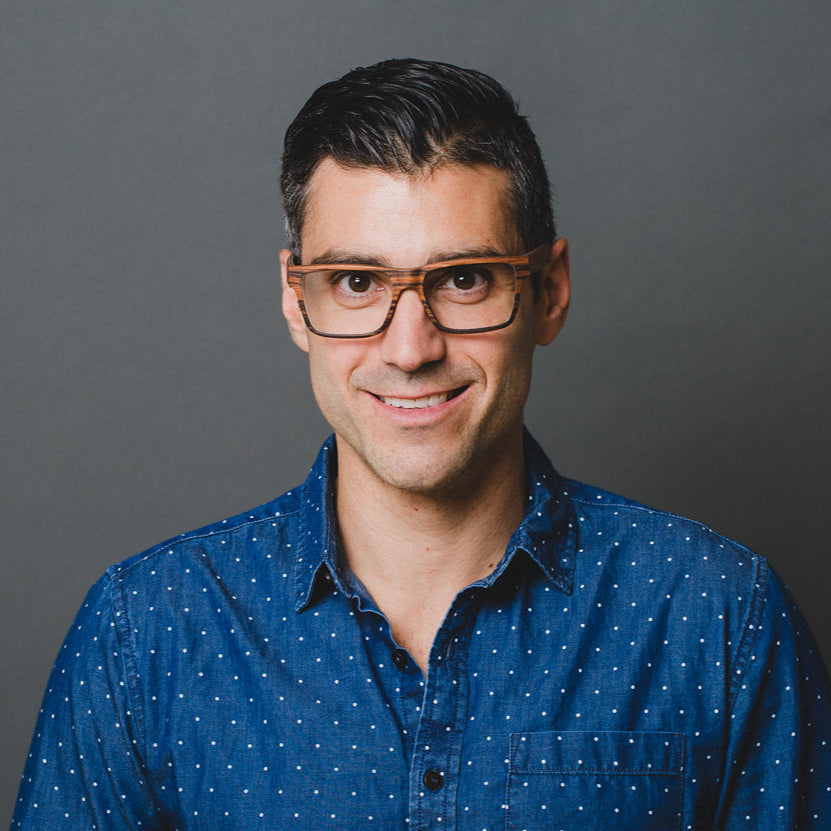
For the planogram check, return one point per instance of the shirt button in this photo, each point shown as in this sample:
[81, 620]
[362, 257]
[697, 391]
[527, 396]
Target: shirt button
[433, 779]
[399, 658]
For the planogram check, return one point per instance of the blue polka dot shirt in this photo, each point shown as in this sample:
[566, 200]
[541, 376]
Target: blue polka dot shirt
[621, 668]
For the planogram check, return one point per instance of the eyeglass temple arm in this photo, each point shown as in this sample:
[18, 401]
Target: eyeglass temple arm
[539, 258]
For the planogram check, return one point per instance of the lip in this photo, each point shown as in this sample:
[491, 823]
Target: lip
[405, 413]
[424, 401]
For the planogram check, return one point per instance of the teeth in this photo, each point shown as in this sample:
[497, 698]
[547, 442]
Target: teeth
[415, 403]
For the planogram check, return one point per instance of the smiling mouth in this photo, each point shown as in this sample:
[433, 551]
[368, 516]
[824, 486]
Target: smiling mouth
[421, 403]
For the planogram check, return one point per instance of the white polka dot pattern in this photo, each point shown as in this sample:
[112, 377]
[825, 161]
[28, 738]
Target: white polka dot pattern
[621, 668]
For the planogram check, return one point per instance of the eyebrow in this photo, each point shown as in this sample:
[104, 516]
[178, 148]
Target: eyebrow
[338, 256]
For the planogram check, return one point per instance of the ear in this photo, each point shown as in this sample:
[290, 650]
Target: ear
[291, 308]
[555, 292]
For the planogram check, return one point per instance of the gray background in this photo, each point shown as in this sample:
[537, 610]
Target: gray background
[149, 386]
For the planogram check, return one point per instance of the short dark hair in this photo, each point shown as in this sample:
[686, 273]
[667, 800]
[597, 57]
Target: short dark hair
[408, 116]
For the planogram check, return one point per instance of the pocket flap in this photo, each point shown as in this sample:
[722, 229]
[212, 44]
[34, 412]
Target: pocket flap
[589, 751]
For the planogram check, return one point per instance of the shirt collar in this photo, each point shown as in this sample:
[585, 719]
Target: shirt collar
[547, 534]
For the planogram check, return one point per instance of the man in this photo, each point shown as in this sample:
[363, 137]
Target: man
[436, 630]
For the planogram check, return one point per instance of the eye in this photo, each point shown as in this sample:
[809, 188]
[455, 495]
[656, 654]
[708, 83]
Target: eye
[464, 279]
[350, 288]
[352, 282]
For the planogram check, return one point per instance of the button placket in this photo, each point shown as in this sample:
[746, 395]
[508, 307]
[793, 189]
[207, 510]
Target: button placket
[434, 777]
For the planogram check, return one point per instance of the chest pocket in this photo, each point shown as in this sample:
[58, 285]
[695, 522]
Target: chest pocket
[599, 780]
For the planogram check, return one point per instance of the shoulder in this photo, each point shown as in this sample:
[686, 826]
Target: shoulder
[210, 547]
[674, 566]
[608, 521]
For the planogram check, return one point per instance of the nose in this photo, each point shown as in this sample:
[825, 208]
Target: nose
[411, 340]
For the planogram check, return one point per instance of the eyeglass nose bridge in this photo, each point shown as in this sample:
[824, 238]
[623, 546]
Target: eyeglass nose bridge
[409, 281]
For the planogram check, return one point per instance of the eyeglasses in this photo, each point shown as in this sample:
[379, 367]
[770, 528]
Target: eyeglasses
[459, 296]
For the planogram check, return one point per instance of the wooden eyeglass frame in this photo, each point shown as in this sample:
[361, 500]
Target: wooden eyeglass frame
[413, 278]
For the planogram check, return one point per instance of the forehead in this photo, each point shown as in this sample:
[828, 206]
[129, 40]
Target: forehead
[406, 219]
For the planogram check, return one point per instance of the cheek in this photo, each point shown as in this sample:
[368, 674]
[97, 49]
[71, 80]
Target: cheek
[517, 349]
[506, 370]
[323, 376]
[330, 366]
[513, 369]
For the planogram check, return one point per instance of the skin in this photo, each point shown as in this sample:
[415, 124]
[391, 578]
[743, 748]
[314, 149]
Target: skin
[415, 485]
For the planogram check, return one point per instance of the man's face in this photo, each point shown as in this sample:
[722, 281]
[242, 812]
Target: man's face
[419, 409]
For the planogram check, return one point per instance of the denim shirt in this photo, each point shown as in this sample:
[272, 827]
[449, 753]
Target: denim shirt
[621, 668]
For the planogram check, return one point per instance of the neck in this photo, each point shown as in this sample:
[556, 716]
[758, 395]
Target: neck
[415, 551]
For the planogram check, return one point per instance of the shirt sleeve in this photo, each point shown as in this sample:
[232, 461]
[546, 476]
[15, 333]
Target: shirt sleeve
[778, 764]
[84, 769]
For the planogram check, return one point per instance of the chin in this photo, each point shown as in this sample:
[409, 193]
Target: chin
[422, 471]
